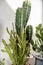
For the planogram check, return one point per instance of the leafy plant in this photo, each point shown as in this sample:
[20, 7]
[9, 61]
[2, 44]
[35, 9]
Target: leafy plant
[19, 42]
[38, 43]
[2, 62]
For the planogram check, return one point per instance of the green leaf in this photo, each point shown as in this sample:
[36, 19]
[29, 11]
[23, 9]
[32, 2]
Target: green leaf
[38, 36]
[3, 50]
[8, 31]
[41, 47]
[34, 47]
[32, 42]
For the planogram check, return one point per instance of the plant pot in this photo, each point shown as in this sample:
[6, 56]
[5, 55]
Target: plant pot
[30, 61]
[38, 60]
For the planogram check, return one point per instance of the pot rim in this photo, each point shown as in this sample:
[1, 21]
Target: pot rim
[38, 57]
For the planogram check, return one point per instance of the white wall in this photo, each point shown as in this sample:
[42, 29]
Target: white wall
[36, 13]
[7, 16]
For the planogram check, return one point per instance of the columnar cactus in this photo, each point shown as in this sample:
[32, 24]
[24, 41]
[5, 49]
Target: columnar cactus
[17, 48]
[22, 13]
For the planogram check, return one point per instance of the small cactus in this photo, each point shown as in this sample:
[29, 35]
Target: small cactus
[29, 31]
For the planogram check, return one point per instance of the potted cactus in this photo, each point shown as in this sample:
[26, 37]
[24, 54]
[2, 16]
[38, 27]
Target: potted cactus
[19, 41]
[37, 45]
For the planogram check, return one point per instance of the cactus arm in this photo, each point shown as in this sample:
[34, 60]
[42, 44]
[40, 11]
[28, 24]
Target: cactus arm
[8, 51]
[26, 12]
[29, 31]
[18, 21]
[22, 15]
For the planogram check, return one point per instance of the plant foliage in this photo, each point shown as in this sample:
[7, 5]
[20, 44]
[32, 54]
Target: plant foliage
[2, 62]
[19, 41]
[38, 43]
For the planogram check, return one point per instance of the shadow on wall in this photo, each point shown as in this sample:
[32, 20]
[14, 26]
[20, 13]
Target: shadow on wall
[1, 30]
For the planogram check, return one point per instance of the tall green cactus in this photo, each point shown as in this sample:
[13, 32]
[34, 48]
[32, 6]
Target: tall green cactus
[17, 48]
[22, 13]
